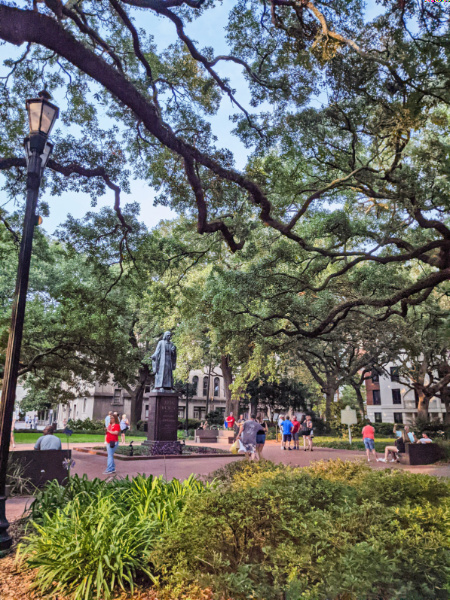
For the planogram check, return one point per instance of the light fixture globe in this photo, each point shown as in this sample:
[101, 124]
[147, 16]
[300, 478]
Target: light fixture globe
[42, 115]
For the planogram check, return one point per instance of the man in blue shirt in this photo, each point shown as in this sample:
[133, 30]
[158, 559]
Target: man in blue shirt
[287, 427]
[410, 434]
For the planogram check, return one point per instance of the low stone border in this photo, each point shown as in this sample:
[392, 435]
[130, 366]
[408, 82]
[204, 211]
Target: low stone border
[160, 456]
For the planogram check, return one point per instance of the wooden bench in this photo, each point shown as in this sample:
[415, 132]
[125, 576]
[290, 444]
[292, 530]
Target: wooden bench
[41, 466]
[421, 454]
[206, 435]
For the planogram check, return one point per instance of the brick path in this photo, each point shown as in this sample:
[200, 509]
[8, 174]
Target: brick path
[93, 466]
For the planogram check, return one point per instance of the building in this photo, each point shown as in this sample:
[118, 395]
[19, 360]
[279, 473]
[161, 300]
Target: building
[98, 399]
[390, 401]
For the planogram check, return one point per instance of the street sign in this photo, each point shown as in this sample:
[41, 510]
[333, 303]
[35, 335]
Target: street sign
[348, 417]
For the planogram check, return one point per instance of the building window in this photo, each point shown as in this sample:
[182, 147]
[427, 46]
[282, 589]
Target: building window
[147, 389]
[222, 409]
[117, 396]
[199, 412]
[416, 398]
[395, 375]
[378, 417]
[216, 386]
[195, 385]
[396, 397]
[181, 411]
[398, 417]
[375, 377]
[205, 386]
[146, 411]
[376, 396]
[84, 404]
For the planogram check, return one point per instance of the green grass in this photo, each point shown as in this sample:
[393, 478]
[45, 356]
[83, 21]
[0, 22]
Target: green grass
[357, 444]
[76, 438]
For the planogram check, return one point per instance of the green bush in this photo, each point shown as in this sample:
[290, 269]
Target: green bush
[85, 425]
[336, 530]
[192, 424]
[94, 536]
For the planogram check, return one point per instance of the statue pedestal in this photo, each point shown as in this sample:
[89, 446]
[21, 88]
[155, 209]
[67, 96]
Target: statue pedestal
[163, 423]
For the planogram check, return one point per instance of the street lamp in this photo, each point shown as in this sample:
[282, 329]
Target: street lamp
[42, 115]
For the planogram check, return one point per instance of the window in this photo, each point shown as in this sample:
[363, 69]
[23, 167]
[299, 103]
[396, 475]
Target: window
[199, 412]
[376, 396]
[84, 404]
[147, 389]
[378, 417]
[395, 376]
[416, 398]
[205, 386]
[195, 385]
[146, 411]
[396, 397]
[117, 399]
[398, 417]
[222, 409]
[181, 411]
[216, 386]
[375, 377]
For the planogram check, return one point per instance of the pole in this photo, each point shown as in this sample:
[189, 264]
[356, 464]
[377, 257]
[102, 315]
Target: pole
[350, 434]
[15, 336]
[186, 423]
[209, 383]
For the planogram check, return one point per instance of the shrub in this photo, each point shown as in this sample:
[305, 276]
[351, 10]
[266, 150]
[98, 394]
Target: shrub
[192, 424]
[335, 530]
[88, 425]
[95, 535]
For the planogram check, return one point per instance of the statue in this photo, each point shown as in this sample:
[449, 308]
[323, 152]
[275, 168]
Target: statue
[164, 360]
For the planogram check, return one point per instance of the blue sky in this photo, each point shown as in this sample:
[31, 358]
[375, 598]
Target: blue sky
[208, 30]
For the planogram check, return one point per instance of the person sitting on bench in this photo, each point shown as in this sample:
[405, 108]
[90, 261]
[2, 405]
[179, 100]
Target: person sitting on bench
[48, 441]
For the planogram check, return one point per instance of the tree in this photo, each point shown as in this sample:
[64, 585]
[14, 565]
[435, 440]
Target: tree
[282, 395]
[369, 166]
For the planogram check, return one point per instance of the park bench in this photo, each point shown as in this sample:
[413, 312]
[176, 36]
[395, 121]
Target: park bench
[41, 466]
[206, 435]
[421, 454]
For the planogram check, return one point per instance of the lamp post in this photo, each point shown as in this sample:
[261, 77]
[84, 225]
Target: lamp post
[42, 116]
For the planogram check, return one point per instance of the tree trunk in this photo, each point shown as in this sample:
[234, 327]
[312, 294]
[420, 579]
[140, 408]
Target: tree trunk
[444, 394]
[227, 372]
[329, 391]
[424, 401]
[359, 397]
[137, 395]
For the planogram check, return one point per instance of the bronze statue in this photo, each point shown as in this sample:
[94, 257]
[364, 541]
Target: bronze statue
[164, 361]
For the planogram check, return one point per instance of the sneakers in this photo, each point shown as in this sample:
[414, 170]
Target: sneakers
[109, 472]
[289, 448]
[381, 460]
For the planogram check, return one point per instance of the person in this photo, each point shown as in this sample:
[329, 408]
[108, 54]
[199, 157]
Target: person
[247, 436]
[112, 439]
[368, 434]
[35, 421]
[261, 435]
[399, 448]
[280, 427]
[425, 439]
[108, 418]
[305, 432]
[230, 420]
[237, 426]
[287, 426]
[124, 426]
[410, 434]
[295, 432]
[48, 441]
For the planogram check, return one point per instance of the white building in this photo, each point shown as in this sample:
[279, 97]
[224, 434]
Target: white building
[390, 401]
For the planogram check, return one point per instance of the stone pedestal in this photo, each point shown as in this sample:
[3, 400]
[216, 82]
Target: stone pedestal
[163, 423]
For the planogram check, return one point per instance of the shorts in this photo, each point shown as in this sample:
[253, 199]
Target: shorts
[305, 432]
[287, 437]
[261, 438]
[295, 436]
[250, 448]
[369, 443]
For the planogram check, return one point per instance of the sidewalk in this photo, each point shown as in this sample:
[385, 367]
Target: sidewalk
[93, 465]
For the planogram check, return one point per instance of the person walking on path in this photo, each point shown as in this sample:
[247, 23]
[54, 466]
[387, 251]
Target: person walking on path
[306, 431]
[295, 432]
[287, 433]
[48, 441]
[237, 426]
[368, 434]
[124, 427]
[112, 439]
[247, 436]
[261, 436]
[280, 427]
[108, 418]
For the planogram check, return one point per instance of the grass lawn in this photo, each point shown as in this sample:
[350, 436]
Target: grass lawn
[357, 443]
[76, 438]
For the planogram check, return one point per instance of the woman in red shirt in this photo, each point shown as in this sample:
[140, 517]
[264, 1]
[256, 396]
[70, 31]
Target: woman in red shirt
[112, 441]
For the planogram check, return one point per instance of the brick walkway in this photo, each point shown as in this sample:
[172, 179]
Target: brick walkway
[93, 466]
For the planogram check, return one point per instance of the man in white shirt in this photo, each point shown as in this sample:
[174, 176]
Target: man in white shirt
[425, 439]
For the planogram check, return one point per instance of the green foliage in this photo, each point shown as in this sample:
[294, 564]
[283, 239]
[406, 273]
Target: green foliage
[79, 425]
[335, 530]
[215, 417]
[19, 485]
[192, 424]
[94, 536]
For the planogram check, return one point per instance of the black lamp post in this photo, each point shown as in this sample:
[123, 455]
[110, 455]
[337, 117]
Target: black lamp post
[42, 116]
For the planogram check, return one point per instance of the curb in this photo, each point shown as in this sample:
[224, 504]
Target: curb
[159, 456]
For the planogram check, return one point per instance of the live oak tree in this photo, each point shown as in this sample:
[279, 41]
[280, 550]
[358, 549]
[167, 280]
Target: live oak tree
[368, 167]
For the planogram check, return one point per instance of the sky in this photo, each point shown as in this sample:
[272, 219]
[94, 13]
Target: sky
[208, 30]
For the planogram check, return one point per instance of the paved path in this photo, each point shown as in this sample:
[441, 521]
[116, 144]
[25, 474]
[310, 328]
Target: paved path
[93, 466]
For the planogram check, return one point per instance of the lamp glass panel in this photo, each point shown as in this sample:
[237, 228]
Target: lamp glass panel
[48, 114]
[34, 114]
